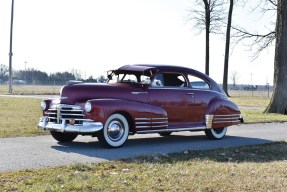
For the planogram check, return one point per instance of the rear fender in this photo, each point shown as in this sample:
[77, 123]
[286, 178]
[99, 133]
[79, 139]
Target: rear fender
[222, 113]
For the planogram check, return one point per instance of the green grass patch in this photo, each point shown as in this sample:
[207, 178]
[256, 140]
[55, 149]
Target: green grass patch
[251, 101]
[19, 116]
[257, 116]
[252, 168]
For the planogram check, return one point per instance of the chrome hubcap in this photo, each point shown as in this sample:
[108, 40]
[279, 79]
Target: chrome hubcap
[115, 130]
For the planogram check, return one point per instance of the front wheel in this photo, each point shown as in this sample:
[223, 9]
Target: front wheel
[216, 134]
[63, 137]
[115, 131]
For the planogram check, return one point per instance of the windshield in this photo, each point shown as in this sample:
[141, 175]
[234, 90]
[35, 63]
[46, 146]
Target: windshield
[128, 77]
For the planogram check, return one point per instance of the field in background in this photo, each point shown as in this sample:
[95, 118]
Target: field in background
[55, 90]
[31, 89]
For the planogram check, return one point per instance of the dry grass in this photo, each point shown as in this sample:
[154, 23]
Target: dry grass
[252, 168]
[19, 116]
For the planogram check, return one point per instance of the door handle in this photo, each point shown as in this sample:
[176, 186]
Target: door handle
[137, 93]
[190, 94]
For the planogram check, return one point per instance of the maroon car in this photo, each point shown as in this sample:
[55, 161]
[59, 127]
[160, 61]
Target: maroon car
[140, 99]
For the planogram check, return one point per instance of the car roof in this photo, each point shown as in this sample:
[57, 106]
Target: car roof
[137, 68]
[164, 67]
[169, 68]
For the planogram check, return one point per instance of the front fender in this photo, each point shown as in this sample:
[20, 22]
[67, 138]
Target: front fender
[103, 108]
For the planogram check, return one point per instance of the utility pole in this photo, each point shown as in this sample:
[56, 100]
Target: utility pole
[11, 53]
[25, 72]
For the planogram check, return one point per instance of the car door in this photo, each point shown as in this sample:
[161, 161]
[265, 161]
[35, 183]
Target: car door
[170, 91]
[202, 95]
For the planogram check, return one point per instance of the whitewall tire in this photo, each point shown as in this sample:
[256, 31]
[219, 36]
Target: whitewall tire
[216, 134]
[115, 131]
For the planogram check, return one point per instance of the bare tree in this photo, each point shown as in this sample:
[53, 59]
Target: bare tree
[278, 103]
[3, 71]
[234, 77]
[207, 15]
[77, 73]
[258, 41]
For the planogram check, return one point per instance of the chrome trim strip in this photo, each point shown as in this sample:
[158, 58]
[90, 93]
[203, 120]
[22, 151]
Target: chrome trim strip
[231, 121]
[164, 118]
[208, 121]
[72, 114]
[227, 118]
[74, 110]
[173, 130]
[140, 119]
[142, 123]
[58, 113]
[159, 122]
[74, 107]
[159, 126]
[230, 115]
[143, 127]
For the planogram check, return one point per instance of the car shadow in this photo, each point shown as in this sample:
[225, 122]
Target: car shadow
[154, 145]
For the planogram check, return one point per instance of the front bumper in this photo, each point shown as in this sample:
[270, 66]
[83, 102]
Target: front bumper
[87, 127]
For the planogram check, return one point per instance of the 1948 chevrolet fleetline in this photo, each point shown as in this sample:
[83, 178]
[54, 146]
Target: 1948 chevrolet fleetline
[140, 99]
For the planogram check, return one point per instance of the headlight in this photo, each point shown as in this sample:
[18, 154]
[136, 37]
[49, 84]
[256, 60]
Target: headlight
[43, 105]
[88, 107]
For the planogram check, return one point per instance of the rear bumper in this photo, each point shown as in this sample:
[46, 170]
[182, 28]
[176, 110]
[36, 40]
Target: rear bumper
[87, 127]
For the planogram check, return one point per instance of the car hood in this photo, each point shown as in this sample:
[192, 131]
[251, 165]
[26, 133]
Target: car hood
[79, 93]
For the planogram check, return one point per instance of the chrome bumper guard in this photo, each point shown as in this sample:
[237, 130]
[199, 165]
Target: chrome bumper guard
[87, 127]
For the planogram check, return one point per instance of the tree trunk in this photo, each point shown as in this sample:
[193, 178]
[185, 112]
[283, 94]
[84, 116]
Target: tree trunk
[207, 32]
[278, 103]
[207, 50]
[227, 44]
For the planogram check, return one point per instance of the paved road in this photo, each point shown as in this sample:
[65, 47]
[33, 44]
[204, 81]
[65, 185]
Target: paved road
[43, 151]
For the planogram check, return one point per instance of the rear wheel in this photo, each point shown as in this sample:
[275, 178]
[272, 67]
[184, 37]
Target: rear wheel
[115, 131]
[216, 134]
[63, 137]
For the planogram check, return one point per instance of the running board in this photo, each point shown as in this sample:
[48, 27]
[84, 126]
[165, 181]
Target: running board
[173, 130]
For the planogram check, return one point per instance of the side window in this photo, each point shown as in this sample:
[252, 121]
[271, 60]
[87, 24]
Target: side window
[169, 80]
[198, 83]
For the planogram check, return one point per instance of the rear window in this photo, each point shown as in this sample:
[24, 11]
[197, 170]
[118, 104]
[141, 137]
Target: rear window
[198, 83]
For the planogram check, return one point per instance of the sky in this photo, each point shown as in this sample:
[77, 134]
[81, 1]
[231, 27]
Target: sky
[94, 36]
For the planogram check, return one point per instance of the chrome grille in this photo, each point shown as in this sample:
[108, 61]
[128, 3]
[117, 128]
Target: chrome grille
[59, 113]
